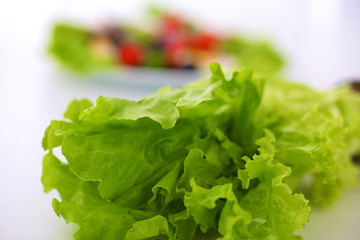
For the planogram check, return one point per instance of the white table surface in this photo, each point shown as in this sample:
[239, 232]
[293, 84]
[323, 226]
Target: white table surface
[322, 49]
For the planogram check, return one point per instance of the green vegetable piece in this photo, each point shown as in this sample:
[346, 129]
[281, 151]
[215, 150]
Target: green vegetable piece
[75, 107]
[272, 201]
[82, 204]
[148, 228]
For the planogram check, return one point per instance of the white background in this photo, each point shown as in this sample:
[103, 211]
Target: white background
[320, 39]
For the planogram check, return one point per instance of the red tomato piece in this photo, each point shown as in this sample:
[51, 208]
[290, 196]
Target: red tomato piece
[205, 41]
[131, 54]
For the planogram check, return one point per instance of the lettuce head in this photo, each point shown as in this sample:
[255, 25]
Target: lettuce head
[226, 158]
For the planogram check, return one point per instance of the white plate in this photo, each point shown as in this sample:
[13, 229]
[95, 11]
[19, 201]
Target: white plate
[149, 77]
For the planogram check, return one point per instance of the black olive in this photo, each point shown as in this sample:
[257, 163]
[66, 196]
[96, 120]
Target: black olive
[356, 159]
[189, 67]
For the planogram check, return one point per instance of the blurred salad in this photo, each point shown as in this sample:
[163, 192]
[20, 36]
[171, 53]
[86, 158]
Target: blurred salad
[166, 41]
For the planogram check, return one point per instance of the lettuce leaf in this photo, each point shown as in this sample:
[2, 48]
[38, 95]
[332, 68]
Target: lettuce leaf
[219, 159]
[259, 56]
[70, 46]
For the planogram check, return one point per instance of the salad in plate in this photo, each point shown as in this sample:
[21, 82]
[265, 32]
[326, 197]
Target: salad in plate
[164, 41]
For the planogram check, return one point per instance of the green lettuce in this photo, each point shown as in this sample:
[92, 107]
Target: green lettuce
[219, 159]
[70, 46]
[260, 56]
